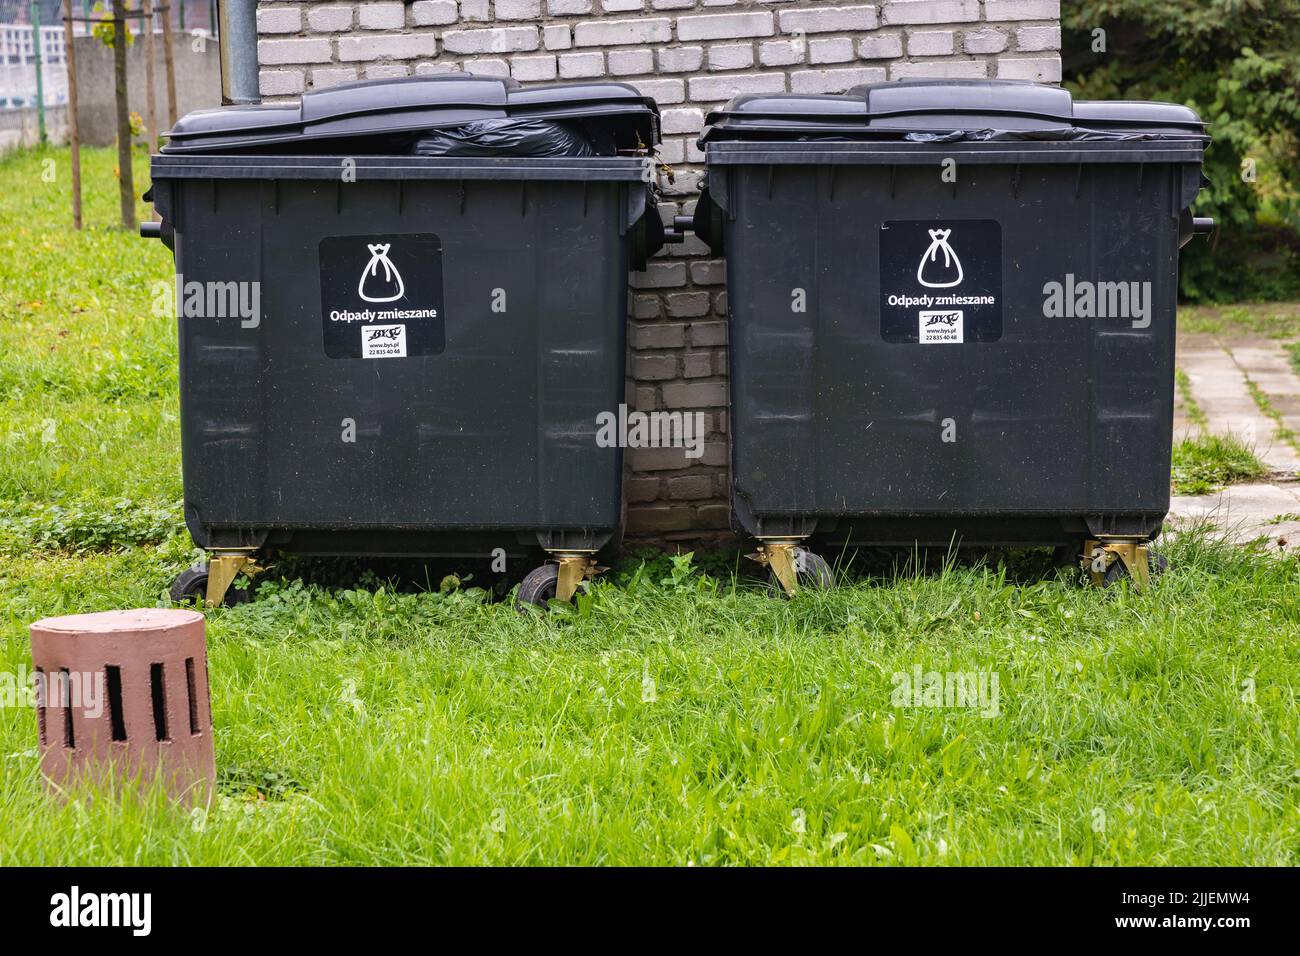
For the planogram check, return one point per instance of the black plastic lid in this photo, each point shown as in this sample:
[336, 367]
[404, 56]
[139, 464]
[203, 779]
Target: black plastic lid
[911, 108]
[383, 108]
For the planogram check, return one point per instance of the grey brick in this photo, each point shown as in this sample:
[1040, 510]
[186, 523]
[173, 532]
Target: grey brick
[690, 487]
[672, 4]
[323, 78]
[568, 8]
[557, 36]
[487, 66]
[492, 40]
[1036, 38]
[672, 150]
[930, 11]
[695, 394]
[381, 16]
[631, 62]
[540, 67]
[281, 82]
[649, 518]
[711, 88]
[1046, 69]
[827, 20]
[471, 10]
[647, 306]
[665, 92]
[623, 32]
[687, 304]
[681, 59]
[654, 368]
[517, 9]
[386, 71]
[658, 335]
[1022, 10]
[687, 120]
[429, 69]
[434, 12]
[278, 52]
[882, 46]
[954, 69]
[709, 333]
[833, 50]
[720, 26]
[709, 272]
[660, 275]
[930, 43]
[395, 46]
[697, 364]
[985, 41]
[621, 6]
[731, 56]
[835, 81]
[781, 52]
[579, 65]
[280, 20]
[331, 19]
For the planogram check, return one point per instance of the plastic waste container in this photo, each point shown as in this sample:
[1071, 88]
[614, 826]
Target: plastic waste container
[952, 311]
[402, 306]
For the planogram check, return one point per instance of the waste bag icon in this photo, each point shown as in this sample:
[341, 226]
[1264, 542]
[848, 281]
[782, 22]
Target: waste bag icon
[934, 274]
[376, 288]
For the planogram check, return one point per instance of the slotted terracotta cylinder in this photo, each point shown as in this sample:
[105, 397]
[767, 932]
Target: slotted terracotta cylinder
[125, 694]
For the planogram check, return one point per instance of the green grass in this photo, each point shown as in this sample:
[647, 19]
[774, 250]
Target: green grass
[1275, 320]
[1208, 462]
[672, 717]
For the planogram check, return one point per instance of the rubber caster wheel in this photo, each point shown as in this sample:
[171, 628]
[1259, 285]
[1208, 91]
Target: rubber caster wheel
[538, 587]
[811, 571]
[1118, 571]
[191, 587]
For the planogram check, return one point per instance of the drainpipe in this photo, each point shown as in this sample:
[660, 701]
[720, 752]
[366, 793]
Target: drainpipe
[237, 32]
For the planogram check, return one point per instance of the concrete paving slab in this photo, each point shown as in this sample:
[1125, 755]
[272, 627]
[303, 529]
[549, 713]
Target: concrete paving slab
[1219, 388]
[1244, 513]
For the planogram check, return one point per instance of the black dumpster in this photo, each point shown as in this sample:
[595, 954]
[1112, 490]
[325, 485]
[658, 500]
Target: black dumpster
[952, 311]
[402, 308]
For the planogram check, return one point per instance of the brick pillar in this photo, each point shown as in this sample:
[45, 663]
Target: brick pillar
[690, 55]
[125, 693]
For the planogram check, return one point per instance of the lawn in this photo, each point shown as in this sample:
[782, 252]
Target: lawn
[678, 715]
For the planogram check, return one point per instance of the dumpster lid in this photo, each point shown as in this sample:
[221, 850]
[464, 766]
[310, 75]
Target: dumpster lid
[922, 110]
[370, 114]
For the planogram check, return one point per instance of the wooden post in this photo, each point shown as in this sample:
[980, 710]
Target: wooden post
[151, 86]
[126, 186]
[74, 137]
[170, 63]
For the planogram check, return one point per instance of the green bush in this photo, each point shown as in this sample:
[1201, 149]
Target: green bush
[1237, 63]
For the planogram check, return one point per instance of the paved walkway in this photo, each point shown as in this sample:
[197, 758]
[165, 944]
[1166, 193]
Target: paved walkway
[1239, 384]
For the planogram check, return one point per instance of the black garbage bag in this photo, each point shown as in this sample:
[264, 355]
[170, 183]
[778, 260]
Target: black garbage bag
[504, 137]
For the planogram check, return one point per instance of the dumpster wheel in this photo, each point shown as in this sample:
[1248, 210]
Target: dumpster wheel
[1106, 563]
[791, 567]
[191, 586]
[542, 585]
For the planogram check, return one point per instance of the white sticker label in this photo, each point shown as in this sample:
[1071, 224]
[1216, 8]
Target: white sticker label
[383, 341]
[941, 326]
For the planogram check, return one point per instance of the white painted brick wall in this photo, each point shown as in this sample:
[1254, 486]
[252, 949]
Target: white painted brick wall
[690, 55]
